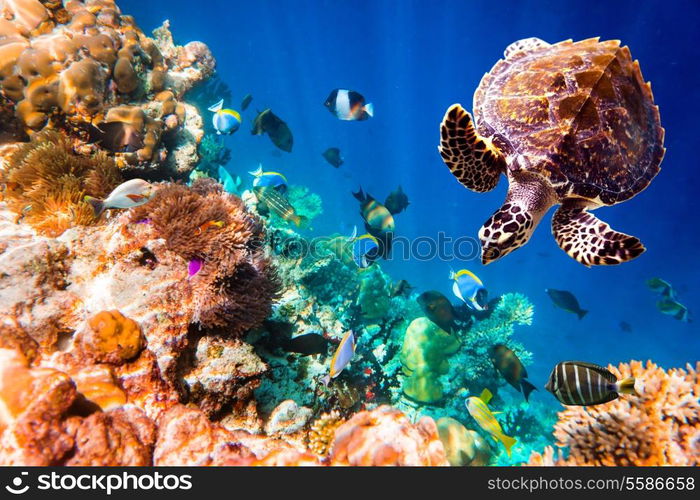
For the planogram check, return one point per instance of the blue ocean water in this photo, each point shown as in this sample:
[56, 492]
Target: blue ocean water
[413, 59]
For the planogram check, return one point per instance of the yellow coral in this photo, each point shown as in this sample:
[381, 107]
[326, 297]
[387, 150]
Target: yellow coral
[661, 426]
[113, 338]
[322, 432]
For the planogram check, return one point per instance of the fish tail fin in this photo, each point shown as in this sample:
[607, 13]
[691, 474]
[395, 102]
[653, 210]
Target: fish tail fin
[369, 109]
[360, 195]
[258, 171]
[626, 386]
[508, 442]
[216, 107]
[527, 388]
[299, 220]
[581, 313]
[97, 205]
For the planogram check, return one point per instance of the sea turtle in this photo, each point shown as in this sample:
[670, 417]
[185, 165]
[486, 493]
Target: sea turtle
[571, 123]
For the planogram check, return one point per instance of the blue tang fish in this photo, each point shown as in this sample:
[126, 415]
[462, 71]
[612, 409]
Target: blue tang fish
[341, 358]
[365, 249]
[469, 289]
[225, 121]
[269, 179]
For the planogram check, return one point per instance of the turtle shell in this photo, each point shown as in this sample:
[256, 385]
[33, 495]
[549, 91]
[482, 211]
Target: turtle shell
[579, 114]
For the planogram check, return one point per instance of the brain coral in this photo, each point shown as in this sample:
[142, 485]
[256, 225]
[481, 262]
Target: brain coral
[659, 427]
[67, 65]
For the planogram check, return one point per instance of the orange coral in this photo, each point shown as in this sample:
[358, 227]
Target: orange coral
[385, 436]
[237, 283]
[46, 181]
[113, 338]
[659, 427]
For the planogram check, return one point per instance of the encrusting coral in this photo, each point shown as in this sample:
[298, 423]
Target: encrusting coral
[71, 65]
[322, 432]
[660, 426]
[45, 182]
[237, 283]
[112, 338]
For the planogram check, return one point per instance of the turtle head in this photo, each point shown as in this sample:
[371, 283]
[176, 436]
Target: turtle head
[507, 229]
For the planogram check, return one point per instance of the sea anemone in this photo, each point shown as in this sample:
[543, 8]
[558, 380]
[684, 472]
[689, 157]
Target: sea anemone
[236, 284]
[45, 183]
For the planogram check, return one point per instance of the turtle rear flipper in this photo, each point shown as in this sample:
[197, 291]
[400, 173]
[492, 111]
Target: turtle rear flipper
[590, 240]
[473, 160]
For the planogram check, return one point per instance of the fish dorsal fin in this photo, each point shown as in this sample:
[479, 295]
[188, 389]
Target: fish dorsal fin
[524, 45]
[603, 372]
[216, 107]
[467, 272]
[486, 396]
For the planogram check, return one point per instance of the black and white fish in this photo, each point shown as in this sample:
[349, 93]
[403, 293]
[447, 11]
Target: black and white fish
[585, 384]
[348, 105]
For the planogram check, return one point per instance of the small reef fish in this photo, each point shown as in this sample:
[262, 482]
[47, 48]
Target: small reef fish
[348, 105]
[507, 363]
[128, 194]
[397, 201]
[232, 183]
[225, 121]
[277, 130]
[661, 287]
[209, 224]
[332, 156]
[117, 137]
[625, 326]
[479, 410]
[378, 219]
[401, 289]
[566, 300]
[194, 266]
[276, 202]
[438, 309]
[673, 308]
[343, 355]
[246, 102]
[365, 249]
[307, 344]
[468, 288]
[269, 179]
[584, 384]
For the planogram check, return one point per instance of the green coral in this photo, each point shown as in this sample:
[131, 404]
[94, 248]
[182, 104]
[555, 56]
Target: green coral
[308, 205]
[373, 297]
[424, 357]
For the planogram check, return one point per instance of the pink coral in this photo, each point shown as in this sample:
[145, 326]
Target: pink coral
[661, 426]
[385, 436]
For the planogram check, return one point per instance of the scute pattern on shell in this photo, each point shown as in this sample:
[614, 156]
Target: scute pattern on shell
[579, 114]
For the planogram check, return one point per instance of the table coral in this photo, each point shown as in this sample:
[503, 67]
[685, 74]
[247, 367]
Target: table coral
[661, 426]
[384, 436]
[67, 67]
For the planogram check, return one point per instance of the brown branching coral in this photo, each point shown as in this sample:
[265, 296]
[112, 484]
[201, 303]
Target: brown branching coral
[236, 284]
[322, 432]
[659, 427]
[45, 183]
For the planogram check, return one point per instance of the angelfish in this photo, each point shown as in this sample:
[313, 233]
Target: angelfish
[477, 407]
[468, 288]
[128, 194]
[585, 384]
[341, 358]
[225, 121]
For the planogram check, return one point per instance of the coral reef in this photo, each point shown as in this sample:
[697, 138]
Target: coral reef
[322, 432]
[463, 447]
[71, 65]
[45, 182]
[384, 436]
[661, 426]
[112, 338]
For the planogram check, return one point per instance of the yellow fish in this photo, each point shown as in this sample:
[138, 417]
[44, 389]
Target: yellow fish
[478, 409]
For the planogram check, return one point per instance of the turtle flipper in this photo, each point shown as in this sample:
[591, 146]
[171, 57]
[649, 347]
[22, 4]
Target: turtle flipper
[473, 160]
[590, 240]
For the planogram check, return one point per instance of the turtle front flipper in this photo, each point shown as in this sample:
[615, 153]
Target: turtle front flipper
[472, 159]
[591, 241]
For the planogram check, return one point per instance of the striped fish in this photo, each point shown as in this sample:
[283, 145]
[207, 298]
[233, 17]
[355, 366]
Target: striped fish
[377, 218]
[585, 384]
[276, 202]
[478, 409]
